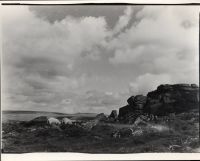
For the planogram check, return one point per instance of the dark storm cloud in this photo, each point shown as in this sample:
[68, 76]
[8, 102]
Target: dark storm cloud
[58, 13]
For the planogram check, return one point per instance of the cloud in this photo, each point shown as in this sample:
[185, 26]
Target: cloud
[148, 82]
[123, 20]
[54, 14]
[160, 43]
[98, 101]
[68, 38]
[53, 55]
[161, 28]
[41, 59]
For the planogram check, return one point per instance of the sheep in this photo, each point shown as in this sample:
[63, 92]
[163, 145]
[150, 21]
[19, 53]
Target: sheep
[53, 121]
[67, 121]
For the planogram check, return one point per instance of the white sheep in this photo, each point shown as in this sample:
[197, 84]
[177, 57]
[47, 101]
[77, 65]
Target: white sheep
[67, 121]
[53, 121]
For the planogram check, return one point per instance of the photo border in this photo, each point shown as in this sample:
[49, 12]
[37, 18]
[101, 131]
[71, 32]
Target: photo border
[85, 156]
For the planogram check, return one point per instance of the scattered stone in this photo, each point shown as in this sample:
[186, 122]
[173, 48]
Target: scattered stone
[194, 86]
[175, 147]
[140, 121]
[116, 134]
[90, 124]
[41, 120]
[138, 132]
[126, 132]
[101, 117]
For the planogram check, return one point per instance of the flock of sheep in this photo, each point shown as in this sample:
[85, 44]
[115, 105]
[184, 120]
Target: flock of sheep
[54, 121]
[134, 130]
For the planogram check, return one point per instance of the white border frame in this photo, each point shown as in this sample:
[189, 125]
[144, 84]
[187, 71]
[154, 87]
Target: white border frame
[86, 156]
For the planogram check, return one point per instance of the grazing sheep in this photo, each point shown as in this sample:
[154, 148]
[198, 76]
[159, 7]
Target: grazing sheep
[53, 121]
[66, 121]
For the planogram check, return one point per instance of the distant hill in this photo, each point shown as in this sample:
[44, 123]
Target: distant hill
[29, 112]
[29, 115]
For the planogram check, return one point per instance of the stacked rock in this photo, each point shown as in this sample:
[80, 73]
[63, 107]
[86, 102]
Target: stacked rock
[135, 107]
[165, 100]
[101, 117]
[113, 116]
[175, 98]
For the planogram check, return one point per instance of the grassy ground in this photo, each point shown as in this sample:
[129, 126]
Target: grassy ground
[178, 135]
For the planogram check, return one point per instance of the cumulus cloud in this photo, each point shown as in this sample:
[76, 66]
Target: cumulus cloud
[160, 43]
[160, 28]
[52, 56]
[52, 14]
[40, 56]
[148, 82]
[123, 20]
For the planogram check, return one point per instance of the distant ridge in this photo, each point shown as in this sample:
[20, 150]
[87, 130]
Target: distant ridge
[10, 115]
[35, 112]
[29, 112]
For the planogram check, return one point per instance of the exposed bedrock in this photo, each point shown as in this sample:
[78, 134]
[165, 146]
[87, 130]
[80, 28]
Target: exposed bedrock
[166, 99]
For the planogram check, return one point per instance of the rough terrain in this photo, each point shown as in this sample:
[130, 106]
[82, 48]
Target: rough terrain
[166, 120]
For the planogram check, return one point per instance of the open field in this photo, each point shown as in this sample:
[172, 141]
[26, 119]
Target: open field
[178, 135]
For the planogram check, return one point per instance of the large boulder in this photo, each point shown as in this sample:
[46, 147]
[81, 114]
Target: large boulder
[123, 111]
[41, 120]
[113, 115]
[90, 124]
[101, 117]
[135, 107]
[130, 117]
[166, 99]
[137, 102]
[140, 101]
[175, 98]
[130, 101]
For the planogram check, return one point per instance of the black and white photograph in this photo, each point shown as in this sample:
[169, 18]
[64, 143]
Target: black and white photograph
[100, 78]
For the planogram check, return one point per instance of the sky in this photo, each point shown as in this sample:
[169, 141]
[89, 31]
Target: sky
[92, 58]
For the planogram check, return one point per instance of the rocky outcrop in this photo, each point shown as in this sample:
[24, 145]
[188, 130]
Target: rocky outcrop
[125, 110]
[130, 112]
[41, 120]
[101, 117]
[113, 115]
[175, 98]
[166, 99]
[137, 102]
